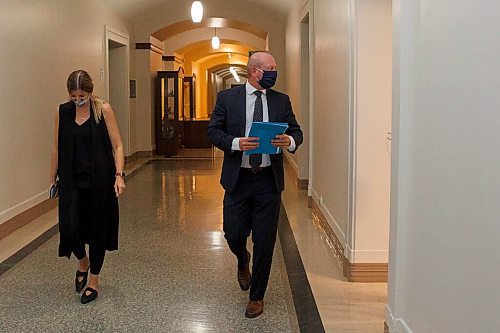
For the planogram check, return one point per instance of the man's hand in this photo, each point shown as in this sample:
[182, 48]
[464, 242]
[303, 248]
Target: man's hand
[281, 141]
[249, 143]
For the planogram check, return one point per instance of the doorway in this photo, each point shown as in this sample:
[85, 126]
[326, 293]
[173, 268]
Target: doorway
[305, 102]
[117, 61]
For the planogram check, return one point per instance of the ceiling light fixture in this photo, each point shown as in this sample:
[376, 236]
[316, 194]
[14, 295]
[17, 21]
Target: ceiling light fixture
[235, 74]
[196, 11]
[215, 41]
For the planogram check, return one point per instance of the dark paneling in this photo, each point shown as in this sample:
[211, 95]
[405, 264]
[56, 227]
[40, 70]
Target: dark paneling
[195, 134]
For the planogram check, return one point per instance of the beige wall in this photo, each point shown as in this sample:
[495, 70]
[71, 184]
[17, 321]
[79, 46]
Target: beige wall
[148, 62]
[293, 75]
[350, 88]
[330, 164]
[42, 42]
[143, 100]
[371, 121]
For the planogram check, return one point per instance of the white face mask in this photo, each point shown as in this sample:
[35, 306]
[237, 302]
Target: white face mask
[81, 102]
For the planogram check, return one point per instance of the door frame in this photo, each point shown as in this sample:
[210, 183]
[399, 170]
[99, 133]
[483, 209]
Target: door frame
[111, 34]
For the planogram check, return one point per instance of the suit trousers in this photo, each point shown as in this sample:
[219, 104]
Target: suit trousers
[253, 207]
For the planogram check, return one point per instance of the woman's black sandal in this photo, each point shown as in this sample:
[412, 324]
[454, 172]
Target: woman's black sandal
[79, 284]
[88, 298]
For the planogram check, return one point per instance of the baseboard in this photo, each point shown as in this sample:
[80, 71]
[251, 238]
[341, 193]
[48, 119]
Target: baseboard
[138, 154]
[354, 272]
[393, 324]
[321, 224]
[302, 184]
[26, 217]
[365, 272]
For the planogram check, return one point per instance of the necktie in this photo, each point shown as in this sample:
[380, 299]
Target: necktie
[255, 160]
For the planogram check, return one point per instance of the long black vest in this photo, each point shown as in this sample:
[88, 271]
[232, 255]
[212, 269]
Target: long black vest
[101, 228]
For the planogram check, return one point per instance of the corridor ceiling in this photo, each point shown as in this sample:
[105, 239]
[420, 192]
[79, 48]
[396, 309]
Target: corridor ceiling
[242, 26]
[134, 9]
[201, 49]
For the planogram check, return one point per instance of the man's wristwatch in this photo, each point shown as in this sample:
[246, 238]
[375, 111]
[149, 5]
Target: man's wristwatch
[121, 174]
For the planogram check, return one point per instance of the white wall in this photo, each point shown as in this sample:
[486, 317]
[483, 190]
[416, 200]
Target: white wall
[42, 43]
[444, 260]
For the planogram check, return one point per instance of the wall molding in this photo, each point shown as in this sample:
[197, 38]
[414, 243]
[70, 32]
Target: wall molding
[25, 217]
[172, 58]
[354, 272]
[148, 46]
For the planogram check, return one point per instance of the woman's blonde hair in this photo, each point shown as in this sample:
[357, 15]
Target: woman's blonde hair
[80, 80]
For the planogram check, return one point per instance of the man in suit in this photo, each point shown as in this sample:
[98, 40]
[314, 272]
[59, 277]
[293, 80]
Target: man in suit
[252, 183]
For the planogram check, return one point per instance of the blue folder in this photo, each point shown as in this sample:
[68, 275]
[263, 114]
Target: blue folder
[266, 131]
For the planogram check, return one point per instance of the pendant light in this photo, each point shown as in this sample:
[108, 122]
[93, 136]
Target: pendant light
[215, 41]
[196, 11]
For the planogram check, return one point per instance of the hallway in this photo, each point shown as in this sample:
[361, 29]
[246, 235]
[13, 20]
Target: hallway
[174, 272]
[398, 101]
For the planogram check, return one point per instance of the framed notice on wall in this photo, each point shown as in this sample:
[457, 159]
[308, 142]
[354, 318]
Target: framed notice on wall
[132, 89]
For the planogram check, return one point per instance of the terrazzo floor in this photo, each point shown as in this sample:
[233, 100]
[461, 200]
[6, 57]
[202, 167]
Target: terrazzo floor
[173, 271]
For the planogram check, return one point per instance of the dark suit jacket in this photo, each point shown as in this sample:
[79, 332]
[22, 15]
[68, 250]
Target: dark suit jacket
[228, 122]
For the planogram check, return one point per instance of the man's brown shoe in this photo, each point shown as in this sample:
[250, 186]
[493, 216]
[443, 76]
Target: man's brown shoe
[254, 309]
[244, 276]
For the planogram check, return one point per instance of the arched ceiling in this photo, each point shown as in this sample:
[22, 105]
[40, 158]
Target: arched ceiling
[229, 36]
[231, 52]
[211, 22]
[201, 49]
[223, 71]
[135, 10]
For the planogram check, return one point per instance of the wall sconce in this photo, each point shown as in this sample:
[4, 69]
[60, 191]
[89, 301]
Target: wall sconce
[196, 11]
[215, 41]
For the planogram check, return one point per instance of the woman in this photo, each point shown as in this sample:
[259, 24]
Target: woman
[88, 160]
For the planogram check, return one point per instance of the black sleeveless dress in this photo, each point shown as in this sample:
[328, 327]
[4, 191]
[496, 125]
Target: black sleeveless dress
[101, 229]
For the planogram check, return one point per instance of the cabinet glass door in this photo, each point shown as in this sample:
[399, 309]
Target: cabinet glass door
[169, 104]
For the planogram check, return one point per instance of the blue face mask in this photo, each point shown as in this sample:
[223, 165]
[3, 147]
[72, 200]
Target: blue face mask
[268, 78]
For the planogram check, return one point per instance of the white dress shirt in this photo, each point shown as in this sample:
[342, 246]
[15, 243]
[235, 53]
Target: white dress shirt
[250, 106]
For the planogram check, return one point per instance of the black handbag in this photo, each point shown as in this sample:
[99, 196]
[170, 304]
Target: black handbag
[54, 190]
